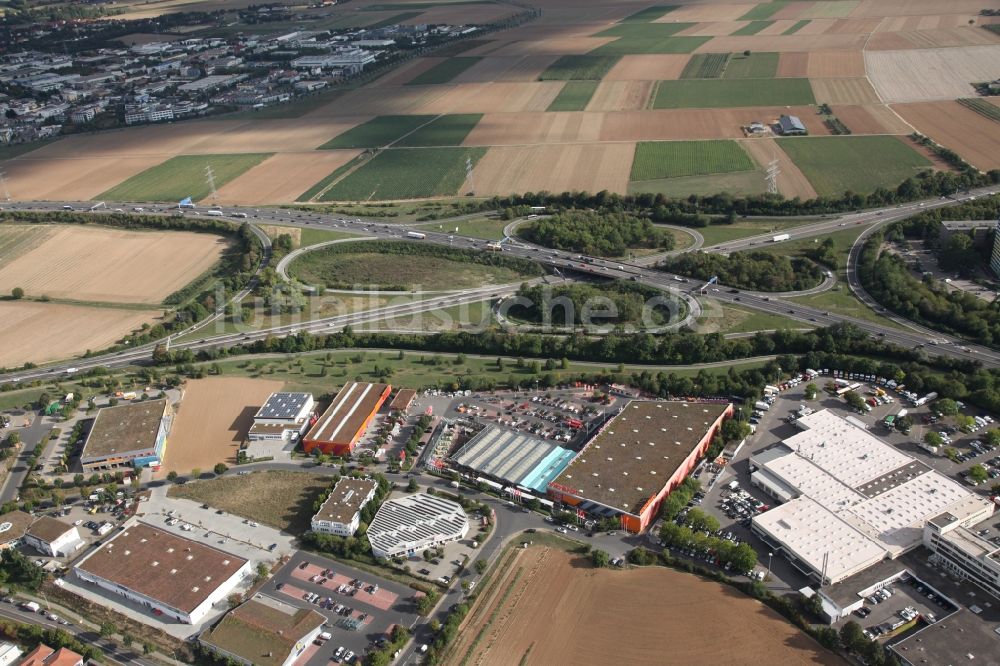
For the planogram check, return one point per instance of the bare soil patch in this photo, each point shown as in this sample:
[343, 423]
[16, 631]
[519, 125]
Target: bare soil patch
[556, 168]
[493, 97]
[835, 64]
[551, 607]
[528, 68]
[502, 129]
[371, 101]
[878, 8]
[969, 134]
[553, 46]
[406, 72]
[853, 26]
[283, 177]
[794, 64]
[791, 181]
[707, 12]
[657, 67]
[929, 74]
[40, 332]
[621, 96]
[111, 265]
[871, 119]
[713, 28]
[800, 41]
[490, 68]
[34, 177]
[843, 91]
[929, 39]
[212, 419]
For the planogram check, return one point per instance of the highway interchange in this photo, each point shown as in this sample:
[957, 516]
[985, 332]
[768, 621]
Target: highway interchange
[909, 336]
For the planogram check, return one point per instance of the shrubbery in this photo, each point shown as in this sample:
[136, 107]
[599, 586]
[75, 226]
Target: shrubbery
[598, 234]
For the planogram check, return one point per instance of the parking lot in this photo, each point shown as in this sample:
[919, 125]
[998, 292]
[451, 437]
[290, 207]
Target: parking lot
[360, 607]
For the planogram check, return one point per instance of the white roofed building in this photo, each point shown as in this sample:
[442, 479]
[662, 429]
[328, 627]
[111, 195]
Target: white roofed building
[407, 525]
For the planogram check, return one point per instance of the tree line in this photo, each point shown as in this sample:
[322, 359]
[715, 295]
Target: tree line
[615, 302]
[610, 234]
[759, 271]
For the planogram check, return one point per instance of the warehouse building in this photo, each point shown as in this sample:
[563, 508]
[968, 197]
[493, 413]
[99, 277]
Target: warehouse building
[264, 632]
[341, 512]
[53, 537]
[637, 458]
[340, 427]
[850, 500]
[408, 525]
[402, 401]
[283, 417]
[963, 553]
[513, 459]
[791, 126]
[175, 578]
[132, 435]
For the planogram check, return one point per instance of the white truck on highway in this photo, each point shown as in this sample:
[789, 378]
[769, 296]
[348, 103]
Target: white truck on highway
[780, 237]
[214, 213]
[416, 234]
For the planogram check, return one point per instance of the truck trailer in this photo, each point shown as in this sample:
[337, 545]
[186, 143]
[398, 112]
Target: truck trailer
[415, 234]
[780, 237]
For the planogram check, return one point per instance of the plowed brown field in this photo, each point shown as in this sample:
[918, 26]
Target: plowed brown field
[528, 68]
[835, 64]
[406, 72]
[492, 97]
[929, 39]
[212, 419]
[871, 119]
[508, 129]
[915, 7]
[557, 168]
[969, 134]
[621, 96]
[283, 177]
[696, 13]
[61, 179]
[660, 67]
[794, 64]
[550, 607]
[39, 332]
[843, 91]
[782, 43]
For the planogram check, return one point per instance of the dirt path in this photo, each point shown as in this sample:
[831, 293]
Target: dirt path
[791, 181]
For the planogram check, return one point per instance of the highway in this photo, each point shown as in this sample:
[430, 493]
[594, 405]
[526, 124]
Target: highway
[567, 264]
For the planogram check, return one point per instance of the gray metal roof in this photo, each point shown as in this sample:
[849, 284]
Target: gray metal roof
[409, 522]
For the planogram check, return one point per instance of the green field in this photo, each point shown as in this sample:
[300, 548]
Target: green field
[448, 130]
[705, 66]
[410, 173]
[982, 107]
[183, 176]
[348, 265]
[764, 10]
[574, 96]
[834, 164]
[746, 227]
[671, 159]
[752, 28]
[718, 318]
[377, 132]
[649, 14]
[735, 183]
[763, 65]
[444, 71]
[798, 26]
[579, 67]
[481, 227]
[648, 45]
[644, 30]
[318, 188]
[18, 149]
[718, 93]
[386, 22]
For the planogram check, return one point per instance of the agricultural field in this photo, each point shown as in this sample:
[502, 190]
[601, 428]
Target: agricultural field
[280, 498]
[649, 14]
[377, 132]
[642, 45]
[918, 75]
[444, 71]
[639, 31]
[346, 268]
[183, 176]
[966, 131]
[671, 159]
[579, 67]
[59, 331]
[279, 179]
[705, 66]
[442, 131]
[574, 96]
[982, 107]
[753, 27]
[212, 419]
[735, 183]
[406, 173]
[486, 228]
[519, 617]
[716, 93]
[856, 163]
[103, 264]
[754, 66]
[556, 168]
[764, 10]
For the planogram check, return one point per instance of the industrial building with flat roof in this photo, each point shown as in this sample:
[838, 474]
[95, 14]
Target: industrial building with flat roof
[637, 458]
[13, 525]
[173, 576]
[53, 537]
[513, 458]
[340, 427]
[341, 512]
[283, 417]
[850, 499]
[264, 632]
[132, 435]
[408, 525]
[402, 401]
[963, 553]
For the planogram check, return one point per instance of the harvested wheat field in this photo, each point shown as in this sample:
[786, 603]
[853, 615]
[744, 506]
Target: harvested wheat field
[915, 7]
[554, 46]
[713, 28]
[871, 119]
[493, 98]
[929, 39]
[952, 125]
[834, 64]
[283, 177]
[929, 74]
[794, 64]
[462, 14]
[679, 124]
[406, 72]
[913, 23]
[369, 101]
[856, 26]
[621, 96]
[509, 129]
[35, 178]
[101, 264]
[560, 168]
[657, 67]
[528, 68]
[490, 68]
[276, 136]
[58, 331]
[696, 13]
[146, 141]
[546, 606]
[843, 91]
[799, 41]
[791, 181]
[212, 420]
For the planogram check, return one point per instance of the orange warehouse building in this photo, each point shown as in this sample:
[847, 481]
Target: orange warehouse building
[343, 423]
[638, 458]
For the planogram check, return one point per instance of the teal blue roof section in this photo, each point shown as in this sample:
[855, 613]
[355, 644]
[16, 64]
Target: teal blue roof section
[547, 470]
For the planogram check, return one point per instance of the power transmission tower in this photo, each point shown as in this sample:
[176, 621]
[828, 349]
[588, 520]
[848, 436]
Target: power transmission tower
[3, 183]
[771, 176]
[468, 175]
[210, 179]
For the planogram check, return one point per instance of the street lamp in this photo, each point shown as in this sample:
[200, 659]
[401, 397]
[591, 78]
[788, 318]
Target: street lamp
[769, 555]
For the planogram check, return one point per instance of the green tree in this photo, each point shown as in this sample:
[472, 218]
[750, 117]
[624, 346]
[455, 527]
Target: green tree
[171, 475]
[599, 558]
[220, 469]
[744, 558]
[195, 473]
[17, 293]
[978, 474]
[262, 572]
[148, 648]
[734, 431]
[946, 407]
[933, 438]
[480, 566]
[128, 639]
[855, 400]
[851, 636]
[811, 391]
[412, 486]
[425, 604]
[108, 629]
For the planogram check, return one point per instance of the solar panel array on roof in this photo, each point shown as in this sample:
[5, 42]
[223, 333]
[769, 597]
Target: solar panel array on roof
[407, 522]
[283, 405]
[514, 457]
